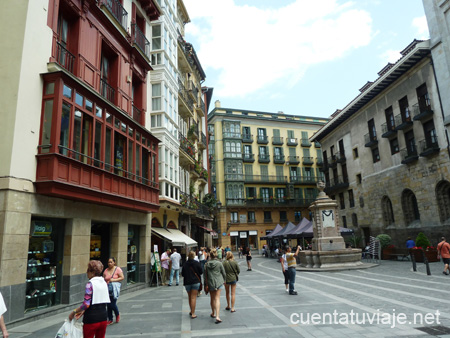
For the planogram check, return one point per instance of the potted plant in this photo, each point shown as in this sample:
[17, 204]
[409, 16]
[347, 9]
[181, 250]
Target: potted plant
[386, 248]
[423, 249]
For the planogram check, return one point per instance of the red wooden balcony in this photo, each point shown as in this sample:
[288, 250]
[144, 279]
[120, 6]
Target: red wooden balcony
[62, 176]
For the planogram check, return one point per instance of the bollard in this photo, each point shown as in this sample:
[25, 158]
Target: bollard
[425, 260]
[413, 261]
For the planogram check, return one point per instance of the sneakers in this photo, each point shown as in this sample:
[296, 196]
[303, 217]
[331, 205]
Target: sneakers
[109, 322]
[117, 318]
[445, 272]
[169, 284]
[287, 290]
[294, 293]
[177, 284]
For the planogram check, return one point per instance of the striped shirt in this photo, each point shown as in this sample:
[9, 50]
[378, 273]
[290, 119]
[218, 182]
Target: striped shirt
[292, 262]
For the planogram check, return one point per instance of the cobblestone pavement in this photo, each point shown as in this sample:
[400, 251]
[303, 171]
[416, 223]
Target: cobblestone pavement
[389, 300]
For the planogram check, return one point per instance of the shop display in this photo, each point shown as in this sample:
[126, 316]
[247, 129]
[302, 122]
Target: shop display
[41, 274]
[96, 245]
[131, 264]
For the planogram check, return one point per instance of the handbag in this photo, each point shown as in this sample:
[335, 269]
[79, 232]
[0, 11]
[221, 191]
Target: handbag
[70, 329]
[201, 285]
[110, 286]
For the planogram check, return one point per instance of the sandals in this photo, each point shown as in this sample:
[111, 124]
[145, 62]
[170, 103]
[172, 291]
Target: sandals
[193, 317]
[233, 310]
[212, 316]
[228, 308]
[218, 321]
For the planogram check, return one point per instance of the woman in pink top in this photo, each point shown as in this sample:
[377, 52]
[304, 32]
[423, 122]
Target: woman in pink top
[113, 274]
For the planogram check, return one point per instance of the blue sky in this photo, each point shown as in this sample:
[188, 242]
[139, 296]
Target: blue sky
[301, 57]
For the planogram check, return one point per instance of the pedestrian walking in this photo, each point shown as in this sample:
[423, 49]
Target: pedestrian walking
[165, 260]
[240, 252]
[175, 258]
[248, 254]
[94, 309]
[284, 268]
[191, 272]
[2, 320]
[219, 253]
[292, 263]
[232, 276]
[443, 249]
[214, 279]
[113, 276]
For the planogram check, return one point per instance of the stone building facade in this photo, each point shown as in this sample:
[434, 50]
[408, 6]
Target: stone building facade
[386, 158]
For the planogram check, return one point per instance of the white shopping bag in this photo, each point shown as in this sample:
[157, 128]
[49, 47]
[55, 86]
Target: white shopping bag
[70, 329]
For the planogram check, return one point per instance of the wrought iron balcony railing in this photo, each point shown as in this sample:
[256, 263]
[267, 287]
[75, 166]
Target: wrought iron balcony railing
[139, 39]
[107, 91]
[117, 10]
[65, 58]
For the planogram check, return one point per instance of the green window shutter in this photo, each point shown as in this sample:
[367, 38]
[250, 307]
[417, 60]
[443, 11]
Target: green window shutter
[303, 172]
[248, 169]
[290, 133]
[292, 152]
[305, 134]
[306, 152]
[276, 132]
[319, 154]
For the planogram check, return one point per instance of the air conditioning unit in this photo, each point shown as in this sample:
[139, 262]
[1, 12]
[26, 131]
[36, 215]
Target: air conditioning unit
[287, 163]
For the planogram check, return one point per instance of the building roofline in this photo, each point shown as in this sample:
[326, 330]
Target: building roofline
[416, 51]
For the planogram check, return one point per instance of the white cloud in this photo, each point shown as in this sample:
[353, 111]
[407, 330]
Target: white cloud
[253, 48]
[421, 26]
[391, 56]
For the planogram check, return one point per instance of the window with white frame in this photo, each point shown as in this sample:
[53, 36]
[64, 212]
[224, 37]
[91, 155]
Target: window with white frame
[156, 37]
[156, 96]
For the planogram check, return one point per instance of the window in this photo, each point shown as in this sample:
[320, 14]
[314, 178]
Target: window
[388, 213]
[247, 151]
[156, 37]
[404, 109]
[341, 200]
[234, 217]
[156, 96]
[443, 200]
[266, 195]
[423, 98]
[390, 121]
[410, 207]
[375, 155]
[280, 194]
[351, 198]
[394, 146]
[358, 178]
[293, 174]
[344, 221]
[410, 143]
[262, 134]
[251, 217]
[251, 192]
[264, 172]
[283, 216]
[246, 131]
[267, 216]
[430, 134]
[298, 216]
[372, 130]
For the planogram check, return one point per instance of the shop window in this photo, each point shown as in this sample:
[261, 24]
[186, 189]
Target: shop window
[133, 255]
[44, 269]
[100, 241]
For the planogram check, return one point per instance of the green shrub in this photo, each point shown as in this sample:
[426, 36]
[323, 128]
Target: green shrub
[384, 239]
[422, 241]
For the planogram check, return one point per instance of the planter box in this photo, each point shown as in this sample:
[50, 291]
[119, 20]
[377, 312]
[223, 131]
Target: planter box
[431, 255]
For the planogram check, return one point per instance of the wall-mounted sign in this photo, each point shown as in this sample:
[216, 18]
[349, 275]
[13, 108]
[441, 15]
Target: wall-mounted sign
[243, 235]
[41, 228]
[253, 232]
[242, 218]
[224, 233]
[234, 233]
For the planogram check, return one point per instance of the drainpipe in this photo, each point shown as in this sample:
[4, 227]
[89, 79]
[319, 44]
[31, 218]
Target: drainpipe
[440, 103]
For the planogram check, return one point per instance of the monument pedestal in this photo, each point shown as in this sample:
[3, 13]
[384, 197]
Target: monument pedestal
[329, 252]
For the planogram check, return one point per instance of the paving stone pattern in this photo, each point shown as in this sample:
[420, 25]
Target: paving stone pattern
[263, 309]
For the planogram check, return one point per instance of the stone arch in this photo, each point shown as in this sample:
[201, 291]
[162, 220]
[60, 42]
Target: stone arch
[443, 200]
[410, 207]
[171, 225]
[156, 223]
[388, 211]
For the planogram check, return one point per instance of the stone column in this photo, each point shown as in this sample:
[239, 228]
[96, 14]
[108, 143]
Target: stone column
[77, 241]
[145, 250]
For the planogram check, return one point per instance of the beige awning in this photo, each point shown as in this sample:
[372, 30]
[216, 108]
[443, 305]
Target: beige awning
[176, 237]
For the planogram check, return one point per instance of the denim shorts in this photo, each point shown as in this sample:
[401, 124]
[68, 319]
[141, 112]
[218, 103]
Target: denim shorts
[190, 287]
[219, 288]
[231, 283]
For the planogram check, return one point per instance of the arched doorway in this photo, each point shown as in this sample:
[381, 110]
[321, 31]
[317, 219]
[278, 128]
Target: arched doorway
[388, 213]
[410, 208]
[443, 200]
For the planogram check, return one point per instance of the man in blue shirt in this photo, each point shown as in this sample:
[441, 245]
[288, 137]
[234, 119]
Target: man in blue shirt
[410, 243]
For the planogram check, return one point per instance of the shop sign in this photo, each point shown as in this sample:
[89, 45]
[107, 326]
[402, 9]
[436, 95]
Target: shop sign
[224, 233]
[234, 233]
[243, 235]
[41, 229]
[253, 232]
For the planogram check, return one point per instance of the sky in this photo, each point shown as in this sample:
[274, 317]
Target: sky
[301, 57]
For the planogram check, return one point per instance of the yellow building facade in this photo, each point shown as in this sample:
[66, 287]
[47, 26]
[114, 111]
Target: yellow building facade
[264, 172]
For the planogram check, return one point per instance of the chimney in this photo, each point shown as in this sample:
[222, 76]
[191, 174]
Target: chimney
[217, 104]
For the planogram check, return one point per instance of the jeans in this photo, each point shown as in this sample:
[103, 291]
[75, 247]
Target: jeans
[112, 307]
[177, 274]
[291, 272]
[203, 262]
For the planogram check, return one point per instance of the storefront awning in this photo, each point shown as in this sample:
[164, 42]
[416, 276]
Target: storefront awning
[176, 237]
